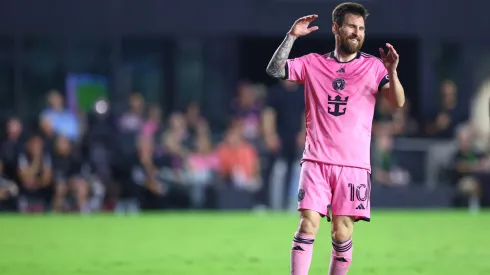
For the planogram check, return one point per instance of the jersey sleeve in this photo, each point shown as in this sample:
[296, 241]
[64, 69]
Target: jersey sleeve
[296, 69]
[381, 75]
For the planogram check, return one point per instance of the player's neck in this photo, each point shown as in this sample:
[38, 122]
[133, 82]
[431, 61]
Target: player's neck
[343, 57]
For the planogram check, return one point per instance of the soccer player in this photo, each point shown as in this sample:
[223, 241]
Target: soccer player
[340, 96]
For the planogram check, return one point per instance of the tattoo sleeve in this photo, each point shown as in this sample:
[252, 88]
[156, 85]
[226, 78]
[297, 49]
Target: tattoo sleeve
[276, 67]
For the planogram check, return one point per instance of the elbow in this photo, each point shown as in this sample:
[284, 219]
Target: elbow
[400, 103]
[268, 72]
[271, 73]
[396, 103]
[280, 74]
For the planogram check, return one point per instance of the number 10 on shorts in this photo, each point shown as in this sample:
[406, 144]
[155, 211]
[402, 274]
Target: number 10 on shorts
[360, 192]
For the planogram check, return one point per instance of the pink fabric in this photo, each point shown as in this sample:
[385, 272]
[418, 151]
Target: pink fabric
[346, 189]
[340, 100]
[301, 254]
[341, 258]
[198, 162]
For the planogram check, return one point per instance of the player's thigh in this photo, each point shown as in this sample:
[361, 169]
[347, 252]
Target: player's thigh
[314, 192]
[351, 193]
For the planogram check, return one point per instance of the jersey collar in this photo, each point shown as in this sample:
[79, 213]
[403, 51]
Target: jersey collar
[332, 55]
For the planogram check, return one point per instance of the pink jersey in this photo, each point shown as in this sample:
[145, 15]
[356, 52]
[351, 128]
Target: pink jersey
[340, 98]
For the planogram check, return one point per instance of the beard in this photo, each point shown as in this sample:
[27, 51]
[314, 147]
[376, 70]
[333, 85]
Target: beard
[349, 47]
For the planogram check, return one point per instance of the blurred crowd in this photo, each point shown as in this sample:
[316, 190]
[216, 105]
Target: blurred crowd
[141, 159]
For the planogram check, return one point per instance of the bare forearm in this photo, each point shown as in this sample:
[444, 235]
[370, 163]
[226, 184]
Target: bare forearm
[397, 93]
[276, 67]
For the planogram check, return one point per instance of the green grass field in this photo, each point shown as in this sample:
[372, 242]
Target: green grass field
[394, 243]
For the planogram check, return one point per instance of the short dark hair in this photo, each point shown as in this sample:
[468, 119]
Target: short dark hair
[341, 10]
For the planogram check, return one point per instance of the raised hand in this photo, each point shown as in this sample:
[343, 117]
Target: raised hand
[301, 26]
[276, 67]
[391, 59]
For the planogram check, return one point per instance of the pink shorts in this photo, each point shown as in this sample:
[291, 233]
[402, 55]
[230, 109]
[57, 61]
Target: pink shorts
[346, 189]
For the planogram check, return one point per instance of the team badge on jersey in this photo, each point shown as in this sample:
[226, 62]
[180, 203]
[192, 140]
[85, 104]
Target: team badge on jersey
[338, 84]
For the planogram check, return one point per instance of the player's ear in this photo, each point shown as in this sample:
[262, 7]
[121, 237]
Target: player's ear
[335, 28]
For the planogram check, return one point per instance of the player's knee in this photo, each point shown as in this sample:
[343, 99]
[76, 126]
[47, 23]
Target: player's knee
[342, 229]
[309, 223]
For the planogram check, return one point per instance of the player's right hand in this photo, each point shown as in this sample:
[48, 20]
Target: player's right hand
[301, 26]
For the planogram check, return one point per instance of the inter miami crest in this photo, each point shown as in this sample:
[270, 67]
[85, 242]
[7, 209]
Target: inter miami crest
[301, 194]
[338, 84]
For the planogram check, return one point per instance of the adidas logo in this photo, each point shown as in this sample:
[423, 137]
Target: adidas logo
[341, 259]
[298, 248]
[341, 70]
[361, 206]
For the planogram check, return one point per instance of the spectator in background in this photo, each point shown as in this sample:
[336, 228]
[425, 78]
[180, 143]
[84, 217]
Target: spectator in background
[8, 194]
[48, 135]
[168, 164]
[386, 171]
[194, 121]
[153, 124]
[68, 179]
[146, 186]
[202, 166]
[448, 116]
[171, 161]
[99, 142]
[247, 109]
[238, 160]
[11, 149]
[177, 126]
[397, 121]
[131, 177]
[132, 120]
[468, 161]
[283, 133]
[403, 123]
[63, 121]
[130, 123]
[35, 174]
[101, 124]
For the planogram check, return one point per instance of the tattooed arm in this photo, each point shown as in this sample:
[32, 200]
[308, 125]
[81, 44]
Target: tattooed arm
[277, 65]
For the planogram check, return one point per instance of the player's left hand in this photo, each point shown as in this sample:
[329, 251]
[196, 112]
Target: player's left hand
[391, 59]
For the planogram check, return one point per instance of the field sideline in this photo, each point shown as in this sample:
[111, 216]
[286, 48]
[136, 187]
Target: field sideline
[395, 242]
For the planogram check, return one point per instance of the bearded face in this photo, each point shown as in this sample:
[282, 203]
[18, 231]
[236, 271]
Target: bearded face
[350, 44]
[350, 35]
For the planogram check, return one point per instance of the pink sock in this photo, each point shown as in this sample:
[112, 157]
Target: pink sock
[341, 257]
[301, 253]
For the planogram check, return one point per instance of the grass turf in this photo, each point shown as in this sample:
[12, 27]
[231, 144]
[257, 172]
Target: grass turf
[395, 242]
